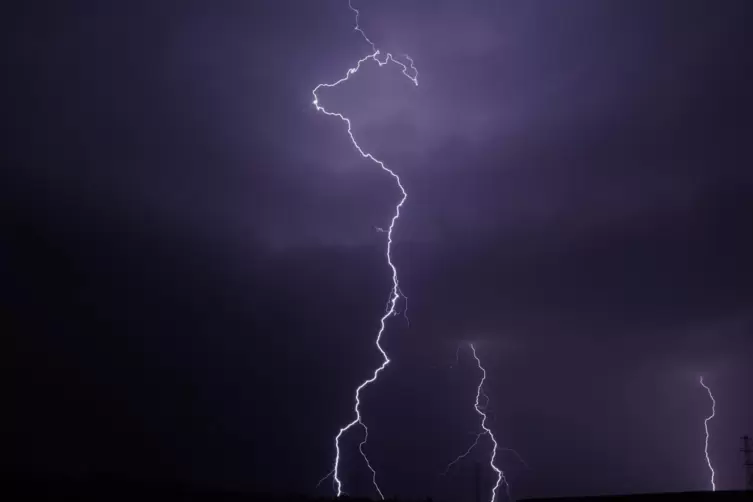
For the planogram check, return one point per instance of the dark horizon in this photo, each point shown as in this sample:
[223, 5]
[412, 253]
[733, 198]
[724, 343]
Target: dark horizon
[116, 488]
[193, 273]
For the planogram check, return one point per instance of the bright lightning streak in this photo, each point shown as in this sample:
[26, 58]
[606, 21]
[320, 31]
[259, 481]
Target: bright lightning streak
[480, 410]
[395, 293]
[706, 426]
[479, 390]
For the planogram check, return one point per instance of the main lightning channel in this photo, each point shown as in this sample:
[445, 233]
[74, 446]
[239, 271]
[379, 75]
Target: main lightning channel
[706, 426]
[411, 72]
[479, 390]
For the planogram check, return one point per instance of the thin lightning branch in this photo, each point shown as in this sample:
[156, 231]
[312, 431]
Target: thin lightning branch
[478, 435]
[326, 476]
[368, 464]
[520, 459]
[405, 308]
[706, 426]
[395, 293]
[486, 404]
[457, 357]
[500, 475]
[461, 457]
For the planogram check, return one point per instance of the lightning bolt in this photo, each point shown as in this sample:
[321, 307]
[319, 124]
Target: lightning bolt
[479, 390]
[486, 431]
[411, 72]
[706, 426]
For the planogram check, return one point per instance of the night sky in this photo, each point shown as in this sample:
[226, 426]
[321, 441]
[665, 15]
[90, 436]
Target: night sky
[191, 280]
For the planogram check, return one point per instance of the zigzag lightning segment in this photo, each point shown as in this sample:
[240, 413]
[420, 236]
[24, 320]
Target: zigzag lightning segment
[479, 391]
[706, 426]
[409, 71]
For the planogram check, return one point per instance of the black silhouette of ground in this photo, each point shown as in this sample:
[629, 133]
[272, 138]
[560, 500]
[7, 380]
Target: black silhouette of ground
[116, 489]
[726, 496]
[108, 488]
